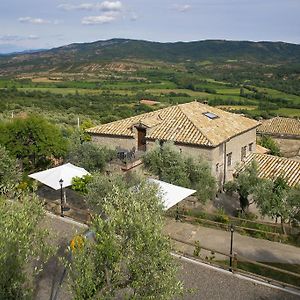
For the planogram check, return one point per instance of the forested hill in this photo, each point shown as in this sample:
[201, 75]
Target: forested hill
[75, 56]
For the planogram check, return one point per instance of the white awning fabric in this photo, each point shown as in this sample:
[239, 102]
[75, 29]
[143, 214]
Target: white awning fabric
[66, 172]
[171, 194]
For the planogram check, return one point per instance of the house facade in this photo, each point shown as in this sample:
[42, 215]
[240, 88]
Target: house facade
[285, 132]
[224, 139]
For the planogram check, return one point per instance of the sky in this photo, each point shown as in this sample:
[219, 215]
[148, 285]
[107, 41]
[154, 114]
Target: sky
[44, 24]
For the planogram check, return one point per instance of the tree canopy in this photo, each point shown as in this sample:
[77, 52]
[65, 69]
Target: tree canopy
[21, 241]
[269, 143]
[172, 166]
[244, 184]
[276, 199]
[273, 198]
[34, 141]
[129, 256]
[10, 173]
[88, 155]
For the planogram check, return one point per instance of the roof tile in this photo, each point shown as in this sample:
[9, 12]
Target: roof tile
[185, 123]
[280, 126]
[272, 167]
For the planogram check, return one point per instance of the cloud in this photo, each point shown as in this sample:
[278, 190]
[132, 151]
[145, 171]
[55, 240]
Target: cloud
[33, 20]
[16, 38]
[111, 5]
[104, 6]
[83, 6]
[102, 19]
[182, 7]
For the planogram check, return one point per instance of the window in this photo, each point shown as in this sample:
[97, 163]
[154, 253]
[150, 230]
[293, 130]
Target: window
[250, 147]
[243, 152]
[210, 115]
[229, 159]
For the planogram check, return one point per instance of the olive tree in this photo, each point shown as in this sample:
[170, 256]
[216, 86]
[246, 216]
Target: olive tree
[244, 183]
[277, 200]
[129, 256]
[90, 156]
[22, 244]
[269, 143]
[172, 166]
[33, 141]
[10, 173]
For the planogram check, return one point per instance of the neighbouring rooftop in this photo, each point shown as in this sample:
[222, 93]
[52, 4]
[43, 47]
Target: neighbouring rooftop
[272, 167]
[149, 102]
[190, 123]
[280, 126]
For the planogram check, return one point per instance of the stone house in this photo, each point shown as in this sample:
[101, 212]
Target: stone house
[224, 139]
[285, 132]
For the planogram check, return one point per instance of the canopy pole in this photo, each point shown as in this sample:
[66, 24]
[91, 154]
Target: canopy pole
[61, 198]
[177, 212]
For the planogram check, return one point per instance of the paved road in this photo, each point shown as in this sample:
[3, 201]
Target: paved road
[211, 284]
[207, 283]
[255, 249]
[62, 231]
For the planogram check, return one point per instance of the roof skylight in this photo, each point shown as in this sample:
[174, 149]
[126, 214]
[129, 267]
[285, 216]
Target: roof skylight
[210, 115]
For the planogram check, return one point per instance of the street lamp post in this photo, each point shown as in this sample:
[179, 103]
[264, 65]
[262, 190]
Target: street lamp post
[61, 198]
[231, 246]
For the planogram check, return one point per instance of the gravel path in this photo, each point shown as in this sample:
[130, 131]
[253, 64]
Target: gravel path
[252, 248]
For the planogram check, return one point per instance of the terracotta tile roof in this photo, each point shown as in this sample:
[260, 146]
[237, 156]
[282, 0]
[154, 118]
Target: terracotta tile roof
[271, 167]
[149, 102]
[280, 126]
[185, 123]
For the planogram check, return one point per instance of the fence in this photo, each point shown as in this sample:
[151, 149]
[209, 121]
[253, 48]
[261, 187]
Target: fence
[266, 230]
[290, 279]
[83, 216]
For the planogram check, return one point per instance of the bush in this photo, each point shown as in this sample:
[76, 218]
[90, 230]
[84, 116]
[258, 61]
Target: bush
[221, 217]
[79, 184]
[90, 156]
[247, 215]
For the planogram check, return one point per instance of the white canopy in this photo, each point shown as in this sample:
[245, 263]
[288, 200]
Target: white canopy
[171, 194]
[66, 172]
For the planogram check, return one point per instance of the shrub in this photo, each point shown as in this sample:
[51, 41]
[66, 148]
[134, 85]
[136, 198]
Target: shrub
[79, 184]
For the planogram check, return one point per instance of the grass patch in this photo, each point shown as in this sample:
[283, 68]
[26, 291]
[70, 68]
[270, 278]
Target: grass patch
[185, 91]
[62, 91]
[278, 94]
[287, 112]
[229, 91]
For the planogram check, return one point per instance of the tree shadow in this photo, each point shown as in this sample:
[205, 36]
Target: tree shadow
[48, 282]
[229, 203]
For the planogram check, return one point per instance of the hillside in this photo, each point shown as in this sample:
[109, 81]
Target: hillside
[79, 57]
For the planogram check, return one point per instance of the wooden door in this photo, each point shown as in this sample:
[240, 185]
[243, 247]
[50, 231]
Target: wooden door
[141, 139]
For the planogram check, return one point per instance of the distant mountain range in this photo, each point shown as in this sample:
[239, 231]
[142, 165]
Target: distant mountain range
[79, 56]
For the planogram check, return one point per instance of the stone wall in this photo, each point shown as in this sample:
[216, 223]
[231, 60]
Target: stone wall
[113, 142]
[289, 147]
